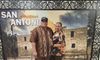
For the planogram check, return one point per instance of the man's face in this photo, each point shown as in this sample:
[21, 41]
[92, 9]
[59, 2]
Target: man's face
[44, 24]
[58, 27]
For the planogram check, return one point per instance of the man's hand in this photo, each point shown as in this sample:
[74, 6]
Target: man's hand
[35, 54]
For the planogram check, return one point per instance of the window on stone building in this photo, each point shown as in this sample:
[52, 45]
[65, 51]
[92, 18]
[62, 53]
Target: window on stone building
[24, 38]
[72, 33]
[25, 47]
[73, 45]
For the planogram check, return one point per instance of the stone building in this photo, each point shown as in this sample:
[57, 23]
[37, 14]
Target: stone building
[76, 43]
[24, 46]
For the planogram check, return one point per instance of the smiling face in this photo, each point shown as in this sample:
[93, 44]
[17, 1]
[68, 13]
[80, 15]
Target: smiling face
[44, 21]
[45, 24]
[58, 26]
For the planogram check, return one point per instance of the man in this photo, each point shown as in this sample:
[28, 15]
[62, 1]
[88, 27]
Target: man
[41, 39]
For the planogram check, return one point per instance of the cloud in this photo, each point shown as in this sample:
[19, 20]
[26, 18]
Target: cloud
[75, 19]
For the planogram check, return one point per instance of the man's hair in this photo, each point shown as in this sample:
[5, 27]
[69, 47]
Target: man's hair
[44, 19]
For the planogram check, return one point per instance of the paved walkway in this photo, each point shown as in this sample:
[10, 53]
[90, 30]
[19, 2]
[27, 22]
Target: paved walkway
[21, 59]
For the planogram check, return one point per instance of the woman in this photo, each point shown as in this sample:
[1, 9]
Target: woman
[58, 42]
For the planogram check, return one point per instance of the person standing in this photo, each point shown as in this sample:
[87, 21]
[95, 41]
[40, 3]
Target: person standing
[58, 42]
[41, 39]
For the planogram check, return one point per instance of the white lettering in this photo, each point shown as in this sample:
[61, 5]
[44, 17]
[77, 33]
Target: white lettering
[8, 14]
[3, 15]
[18, 22]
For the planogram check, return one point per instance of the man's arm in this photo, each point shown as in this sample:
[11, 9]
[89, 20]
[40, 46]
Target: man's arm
[33, 40]
[33, 46]
[34, 49]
